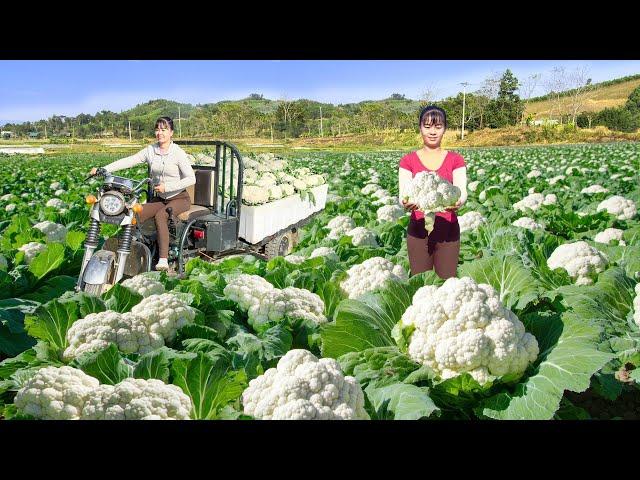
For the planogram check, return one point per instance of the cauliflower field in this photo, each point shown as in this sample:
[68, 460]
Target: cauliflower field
[545, 306]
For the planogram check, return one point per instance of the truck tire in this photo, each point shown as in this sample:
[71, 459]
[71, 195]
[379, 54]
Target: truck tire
[282, 245]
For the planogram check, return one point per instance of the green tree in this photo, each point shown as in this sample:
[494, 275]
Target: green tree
[507, 108]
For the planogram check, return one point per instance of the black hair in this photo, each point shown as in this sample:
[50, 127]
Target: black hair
[433, 114]
[167, 121]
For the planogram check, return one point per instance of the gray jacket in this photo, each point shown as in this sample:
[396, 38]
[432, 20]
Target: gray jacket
[172, 168]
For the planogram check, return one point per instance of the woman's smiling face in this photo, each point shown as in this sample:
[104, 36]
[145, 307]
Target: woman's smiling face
[432, 133]
[163, 133]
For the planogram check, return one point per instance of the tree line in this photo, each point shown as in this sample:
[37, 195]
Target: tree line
[499, 101]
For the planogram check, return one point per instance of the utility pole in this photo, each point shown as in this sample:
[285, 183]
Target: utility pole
[321, 132]
[464, 98]
[179, 123]
[129, 121]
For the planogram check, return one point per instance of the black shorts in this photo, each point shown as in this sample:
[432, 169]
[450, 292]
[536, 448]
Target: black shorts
[443, 231]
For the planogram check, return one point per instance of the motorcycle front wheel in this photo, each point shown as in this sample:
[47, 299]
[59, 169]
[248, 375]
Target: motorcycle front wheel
[94, 290]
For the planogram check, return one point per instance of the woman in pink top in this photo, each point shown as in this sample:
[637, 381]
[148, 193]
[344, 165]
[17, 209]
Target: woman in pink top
[439, 249]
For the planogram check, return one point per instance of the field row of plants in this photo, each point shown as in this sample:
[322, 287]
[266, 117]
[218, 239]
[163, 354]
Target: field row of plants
[542, 309]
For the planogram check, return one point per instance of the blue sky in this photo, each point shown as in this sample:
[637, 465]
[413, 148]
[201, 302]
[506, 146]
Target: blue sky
[33, 90]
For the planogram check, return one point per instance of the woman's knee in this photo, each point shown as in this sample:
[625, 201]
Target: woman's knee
[162, 215]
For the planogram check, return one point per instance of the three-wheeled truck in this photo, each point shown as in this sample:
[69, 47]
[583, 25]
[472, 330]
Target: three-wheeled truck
[216, 225]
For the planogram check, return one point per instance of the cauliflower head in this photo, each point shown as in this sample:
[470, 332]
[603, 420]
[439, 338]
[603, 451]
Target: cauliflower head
[137, 399]
[534, 201]
[326, 252]
[164, 314]
[390, 213]
[431, 192]
[254, 195]
[463, 327]
[370, 188]
[293, 303]
[31, 250]
[144, 285]
[594, 189]
[362, 237]
[610, 234]
[246, 290]
[54, 231]
[56, 393]
[620, 207]
[581, 261]
[528, 223]
[369, 275]
[56, 203]
[297, 259]
[470, 221]
[339, 226]
[97, 330]
[473, 186]
[303, 387]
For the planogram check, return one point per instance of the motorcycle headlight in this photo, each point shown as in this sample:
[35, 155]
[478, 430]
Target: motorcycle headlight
[112, 204]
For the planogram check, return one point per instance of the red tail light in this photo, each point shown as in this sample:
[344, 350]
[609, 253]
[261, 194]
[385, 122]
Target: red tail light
[198, 234]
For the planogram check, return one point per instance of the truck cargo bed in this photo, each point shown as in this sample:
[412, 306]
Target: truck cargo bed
[261, 221]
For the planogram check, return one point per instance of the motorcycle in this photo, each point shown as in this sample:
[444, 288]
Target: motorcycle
[117, 203]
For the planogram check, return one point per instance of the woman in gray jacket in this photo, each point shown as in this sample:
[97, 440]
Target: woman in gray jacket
[171, 173]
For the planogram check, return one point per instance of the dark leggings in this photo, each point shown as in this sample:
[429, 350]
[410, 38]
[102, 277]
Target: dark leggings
[438, 250]
[157, 207]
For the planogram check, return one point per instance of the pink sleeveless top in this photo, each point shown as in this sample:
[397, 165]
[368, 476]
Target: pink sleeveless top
[452, 161]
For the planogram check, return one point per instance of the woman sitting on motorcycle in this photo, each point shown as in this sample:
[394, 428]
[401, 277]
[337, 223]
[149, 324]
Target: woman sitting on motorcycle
[171, 173]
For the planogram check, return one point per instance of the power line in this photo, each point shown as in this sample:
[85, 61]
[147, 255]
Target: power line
[464, 98]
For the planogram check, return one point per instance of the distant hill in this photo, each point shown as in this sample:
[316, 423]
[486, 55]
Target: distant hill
[613, 93]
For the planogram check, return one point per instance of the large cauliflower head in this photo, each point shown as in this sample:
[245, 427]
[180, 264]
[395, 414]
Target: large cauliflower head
[622, 208]
[293, 303]
[339, 226]
[581, 261]
[144, 285]
[246, 290]
[390, 213]
[303, 387]
[463, 327]
[369, 275]
[362, 237]
[137, 399]
[54, 231]
[67, 393]
[164, 314]
[431, 192]
[56, 393]
[97, 330]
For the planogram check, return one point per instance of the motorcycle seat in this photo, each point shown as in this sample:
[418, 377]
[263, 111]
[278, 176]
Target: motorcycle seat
[194, 212]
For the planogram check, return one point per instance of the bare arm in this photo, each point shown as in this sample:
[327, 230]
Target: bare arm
[404, 178]
[460, 181]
